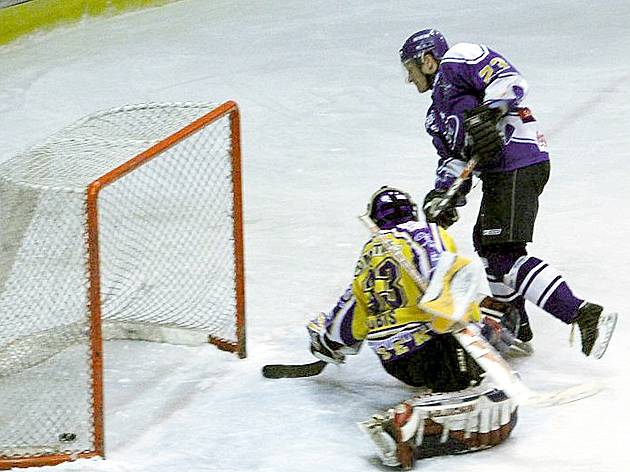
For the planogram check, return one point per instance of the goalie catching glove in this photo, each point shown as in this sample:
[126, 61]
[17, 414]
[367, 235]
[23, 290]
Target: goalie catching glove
[498, 335]
[503, 327]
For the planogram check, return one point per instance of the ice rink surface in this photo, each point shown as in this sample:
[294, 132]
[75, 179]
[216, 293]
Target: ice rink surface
[326, 119]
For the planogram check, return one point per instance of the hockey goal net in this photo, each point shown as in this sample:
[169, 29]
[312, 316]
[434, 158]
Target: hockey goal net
[126, 224]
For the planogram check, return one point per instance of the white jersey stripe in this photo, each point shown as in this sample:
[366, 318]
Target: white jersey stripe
[543, 300]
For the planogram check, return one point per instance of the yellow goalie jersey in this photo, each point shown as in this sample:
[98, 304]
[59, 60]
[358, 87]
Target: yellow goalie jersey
[381, 305]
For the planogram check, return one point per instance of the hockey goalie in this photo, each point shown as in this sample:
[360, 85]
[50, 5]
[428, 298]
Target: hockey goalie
[409, 328]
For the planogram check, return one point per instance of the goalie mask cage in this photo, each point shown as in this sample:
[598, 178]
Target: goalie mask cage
[125, 225]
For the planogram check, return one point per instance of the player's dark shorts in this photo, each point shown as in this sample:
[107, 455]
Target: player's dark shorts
[441, 364]
[509, 205]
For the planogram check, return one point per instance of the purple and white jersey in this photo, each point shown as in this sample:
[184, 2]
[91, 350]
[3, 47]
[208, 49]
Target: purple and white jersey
[469, 75]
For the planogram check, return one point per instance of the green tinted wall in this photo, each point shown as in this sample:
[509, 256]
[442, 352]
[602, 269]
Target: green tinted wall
[23, 18]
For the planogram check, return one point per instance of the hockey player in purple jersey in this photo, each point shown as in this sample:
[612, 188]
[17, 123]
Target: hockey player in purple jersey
[478, 110]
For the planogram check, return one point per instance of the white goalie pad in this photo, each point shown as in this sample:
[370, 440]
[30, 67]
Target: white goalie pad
[441, 424]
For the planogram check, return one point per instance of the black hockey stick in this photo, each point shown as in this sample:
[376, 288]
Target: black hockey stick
[292, 371]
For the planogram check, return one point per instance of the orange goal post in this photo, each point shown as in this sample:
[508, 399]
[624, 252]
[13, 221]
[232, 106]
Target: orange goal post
[124, 225]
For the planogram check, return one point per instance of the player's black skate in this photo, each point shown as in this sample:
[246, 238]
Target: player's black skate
[522, 328]
[525, 333]
[587, 318]
[596, 328]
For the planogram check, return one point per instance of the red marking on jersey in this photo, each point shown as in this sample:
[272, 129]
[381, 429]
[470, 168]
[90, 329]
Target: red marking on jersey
[542, 141]
[526, 115]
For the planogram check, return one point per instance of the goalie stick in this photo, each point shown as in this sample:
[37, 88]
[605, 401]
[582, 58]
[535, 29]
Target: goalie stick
[479, 349]
[293, 371]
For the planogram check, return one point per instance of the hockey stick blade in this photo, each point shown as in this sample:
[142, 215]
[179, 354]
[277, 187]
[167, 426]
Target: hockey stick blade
[560, 397]
[293, 371]
[500, 372]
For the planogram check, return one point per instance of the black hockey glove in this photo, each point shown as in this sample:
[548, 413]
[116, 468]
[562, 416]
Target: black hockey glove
[480, 125]
[447, 216]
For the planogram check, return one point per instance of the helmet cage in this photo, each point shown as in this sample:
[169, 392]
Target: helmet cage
[390, 206]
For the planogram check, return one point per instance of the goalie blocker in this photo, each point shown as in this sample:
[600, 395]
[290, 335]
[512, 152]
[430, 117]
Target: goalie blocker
[441, 424]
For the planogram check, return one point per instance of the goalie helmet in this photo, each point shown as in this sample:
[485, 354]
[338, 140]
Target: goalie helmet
[427, 40]
[389, 207]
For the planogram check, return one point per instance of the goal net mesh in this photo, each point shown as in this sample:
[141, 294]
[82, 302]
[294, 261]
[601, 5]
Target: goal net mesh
[166, 252]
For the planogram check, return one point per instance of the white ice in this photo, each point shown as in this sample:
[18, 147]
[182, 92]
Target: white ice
[327, 118]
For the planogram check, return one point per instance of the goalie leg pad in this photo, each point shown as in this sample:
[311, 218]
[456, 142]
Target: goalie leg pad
[442, 424]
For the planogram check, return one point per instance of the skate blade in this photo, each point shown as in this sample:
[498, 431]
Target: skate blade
[520, 349]
[605, 329]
